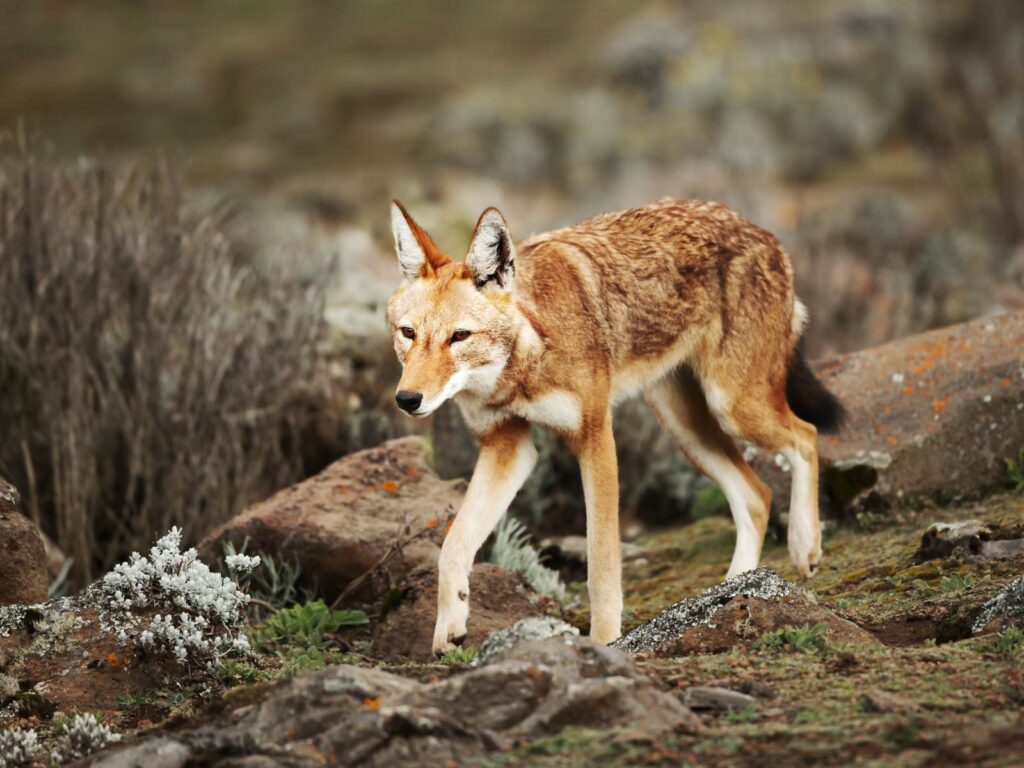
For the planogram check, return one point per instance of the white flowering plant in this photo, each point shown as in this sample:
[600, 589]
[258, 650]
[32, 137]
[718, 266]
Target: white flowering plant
[71, 738]
[20, 747]
[170, 602]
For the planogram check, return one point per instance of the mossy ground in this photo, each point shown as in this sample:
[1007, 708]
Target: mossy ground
[812, 707]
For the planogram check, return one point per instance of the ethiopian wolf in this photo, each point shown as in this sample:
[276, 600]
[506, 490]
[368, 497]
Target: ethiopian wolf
[682, 301]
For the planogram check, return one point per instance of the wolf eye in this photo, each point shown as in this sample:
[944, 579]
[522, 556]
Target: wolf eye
[460, 335]
[408, 332]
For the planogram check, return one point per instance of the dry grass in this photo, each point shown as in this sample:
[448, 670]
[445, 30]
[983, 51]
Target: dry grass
[150, 376]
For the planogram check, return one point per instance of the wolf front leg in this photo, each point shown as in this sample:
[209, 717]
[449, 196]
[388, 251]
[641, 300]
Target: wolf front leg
[507, 456]
[600, 473]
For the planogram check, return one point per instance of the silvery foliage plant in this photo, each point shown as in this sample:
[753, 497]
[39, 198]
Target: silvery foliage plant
[73, 739]
[85, 734]
[20, 747]
[172, 603]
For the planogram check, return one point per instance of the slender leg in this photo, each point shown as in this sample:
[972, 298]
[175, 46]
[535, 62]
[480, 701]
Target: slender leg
[507, 456]
[679, 403]
[600, 474]
[804, 533]
[776, 428]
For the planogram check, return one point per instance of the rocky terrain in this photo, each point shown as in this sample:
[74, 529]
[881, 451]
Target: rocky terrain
[879, 141]
[905, 648]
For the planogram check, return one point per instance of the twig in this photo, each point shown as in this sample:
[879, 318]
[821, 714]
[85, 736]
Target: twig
[395, 548]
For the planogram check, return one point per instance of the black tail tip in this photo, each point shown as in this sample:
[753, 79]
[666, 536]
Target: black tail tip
[809, 399]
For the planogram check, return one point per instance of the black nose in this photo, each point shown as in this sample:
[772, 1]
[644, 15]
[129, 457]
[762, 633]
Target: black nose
[408, 401]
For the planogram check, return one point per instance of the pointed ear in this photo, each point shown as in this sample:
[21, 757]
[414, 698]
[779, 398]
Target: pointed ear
[417, 254]
[492, 253]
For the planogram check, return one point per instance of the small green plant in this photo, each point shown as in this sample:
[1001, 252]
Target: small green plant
[459, 655]
[304, 626]
[805, 639]
[1009, 642]
[709, 501]
[956, 582]
[923, 588]
[234, 672]
[1015, 469]
[739, 716]
[274, 584]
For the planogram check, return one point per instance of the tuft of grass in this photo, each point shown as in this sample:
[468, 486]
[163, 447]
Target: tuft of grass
[1015, 469]
[458, 655]
[304, 627]
[153, 373]
[274, 584]
[804, 639]
[740, 716]
[1009, 642]
[956, 582]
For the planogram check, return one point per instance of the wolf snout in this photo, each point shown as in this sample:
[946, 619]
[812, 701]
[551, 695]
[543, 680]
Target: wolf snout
[408, 401]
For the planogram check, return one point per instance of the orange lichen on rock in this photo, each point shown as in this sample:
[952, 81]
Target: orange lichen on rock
[373, 704]
[389, 486]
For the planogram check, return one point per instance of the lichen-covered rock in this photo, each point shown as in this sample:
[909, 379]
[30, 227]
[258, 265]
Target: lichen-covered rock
[348, 715]
[733, 613]
[531, 628]
[23, 576]
[931, 415]
[340, 523]
[1004, 610]
[693, 611]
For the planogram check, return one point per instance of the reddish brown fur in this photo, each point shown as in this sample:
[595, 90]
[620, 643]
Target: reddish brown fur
[684, 300]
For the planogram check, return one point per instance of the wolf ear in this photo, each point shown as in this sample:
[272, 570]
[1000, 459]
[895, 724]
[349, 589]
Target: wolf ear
[492, 254]
[417, 254]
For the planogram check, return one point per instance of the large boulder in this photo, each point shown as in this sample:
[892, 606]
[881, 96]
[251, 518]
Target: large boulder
[23, 565]
[930, 416]
[736, 612]
[348, 715]
[341, 523]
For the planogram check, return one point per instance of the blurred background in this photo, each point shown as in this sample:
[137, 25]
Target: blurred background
[194, 244]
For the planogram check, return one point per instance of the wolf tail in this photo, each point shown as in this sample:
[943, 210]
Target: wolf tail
[808, 398]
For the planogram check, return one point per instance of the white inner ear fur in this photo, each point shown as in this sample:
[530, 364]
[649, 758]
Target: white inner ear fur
[410, 254]
[485, 254]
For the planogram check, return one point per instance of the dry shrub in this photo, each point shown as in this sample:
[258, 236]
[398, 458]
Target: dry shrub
[150, 375]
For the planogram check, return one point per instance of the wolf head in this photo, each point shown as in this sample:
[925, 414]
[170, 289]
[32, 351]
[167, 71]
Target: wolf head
[454, 323]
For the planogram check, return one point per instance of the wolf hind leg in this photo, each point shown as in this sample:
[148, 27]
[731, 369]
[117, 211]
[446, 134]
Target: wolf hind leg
[681, 407]
[762, 415]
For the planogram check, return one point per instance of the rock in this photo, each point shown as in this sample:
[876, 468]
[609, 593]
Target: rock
[883, 701]
[23, 575]
[930, 416]
[339, 524]
[349, 715]
[497, 599]
[970, 539]
[69, 660]
[531, 628]
[574, 548]
[704, 697]
[733, 613]
[1004, 610]
[943, 539]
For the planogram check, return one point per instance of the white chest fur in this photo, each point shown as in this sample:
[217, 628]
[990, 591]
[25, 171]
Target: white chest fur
[556, 409]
